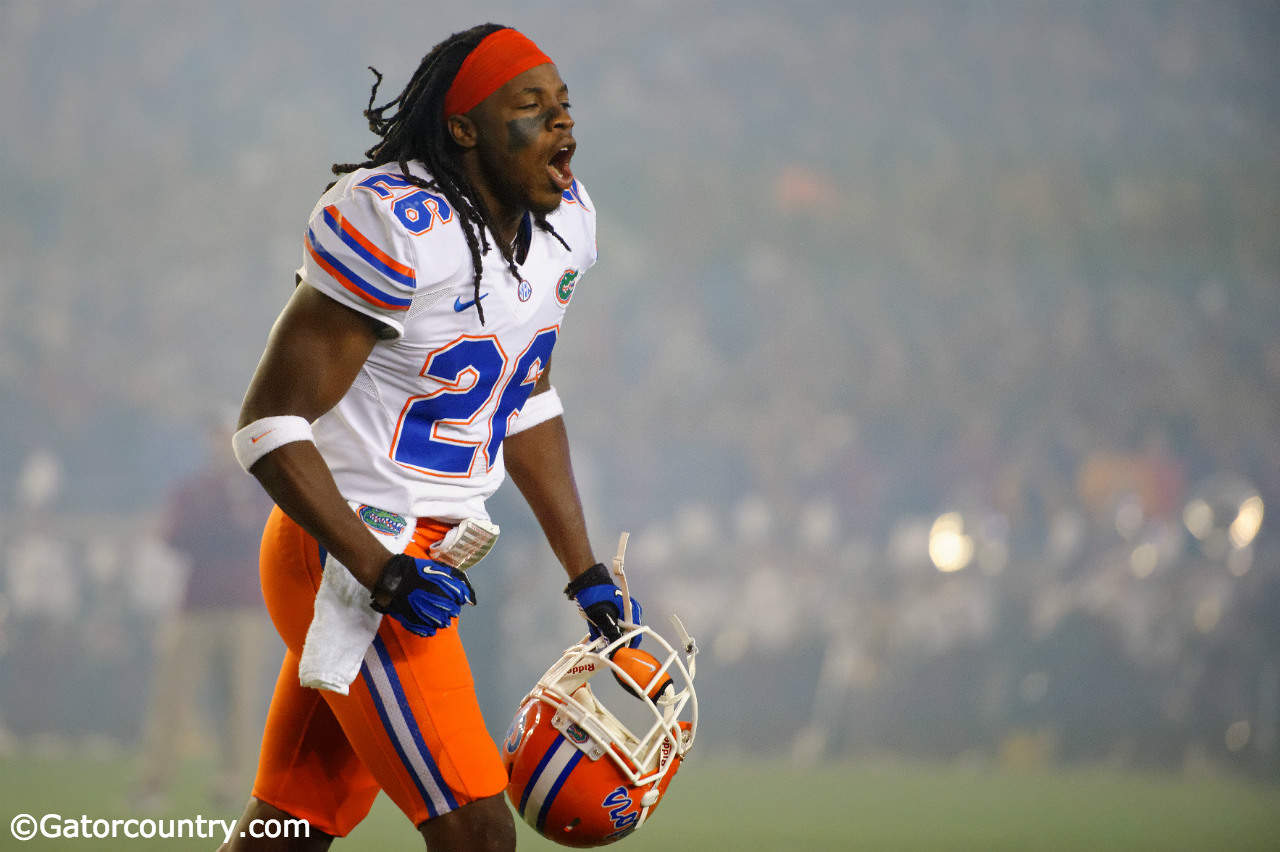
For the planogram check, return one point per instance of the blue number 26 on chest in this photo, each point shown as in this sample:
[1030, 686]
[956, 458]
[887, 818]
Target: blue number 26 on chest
[443, 432]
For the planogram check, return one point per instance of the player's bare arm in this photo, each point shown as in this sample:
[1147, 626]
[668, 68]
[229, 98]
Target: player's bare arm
[538, 462]
[313, 354]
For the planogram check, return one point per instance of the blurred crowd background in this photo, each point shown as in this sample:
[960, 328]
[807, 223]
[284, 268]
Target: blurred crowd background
[932, 358]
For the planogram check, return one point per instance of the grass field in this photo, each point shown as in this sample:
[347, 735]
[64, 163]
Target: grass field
[732, 806]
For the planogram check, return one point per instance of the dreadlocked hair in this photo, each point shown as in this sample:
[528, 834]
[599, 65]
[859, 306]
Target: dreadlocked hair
[411, 127]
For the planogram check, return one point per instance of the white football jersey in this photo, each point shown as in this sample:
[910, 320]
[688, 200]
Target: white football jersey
[420, 431]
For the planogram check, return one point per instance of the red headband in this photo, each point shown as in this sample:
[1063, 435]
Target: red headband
[498, 57]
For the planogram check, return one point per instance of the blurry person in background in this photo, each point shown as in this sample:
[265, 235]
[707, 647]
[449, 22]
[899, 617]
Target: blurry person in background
[211, 651]
[40, 601]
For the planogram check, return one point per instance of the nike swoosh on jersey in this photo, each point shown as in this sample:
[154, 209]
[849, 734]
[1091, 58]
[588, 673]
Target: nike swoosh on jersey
[460, 306]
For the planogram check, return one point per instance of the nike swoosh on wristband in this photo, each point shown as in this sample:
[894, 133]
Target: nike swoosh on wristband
[460, 306]
[260, 437]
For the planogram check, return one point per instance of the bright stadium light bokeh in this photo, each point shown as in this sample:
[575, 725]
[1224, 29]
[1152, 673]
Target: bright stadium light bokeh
[950, 548]
[1198, 518]
[1143, 560]
[1247, 523]
[1225, 515]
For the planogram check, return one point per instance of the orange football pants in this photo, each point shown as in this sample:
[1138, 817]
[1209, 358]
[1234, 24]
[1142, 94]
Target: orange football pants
[410, 725]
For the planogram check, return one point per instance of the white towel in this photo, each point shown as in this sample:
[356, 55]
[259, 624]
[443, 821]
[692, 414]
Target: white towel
[343, 624]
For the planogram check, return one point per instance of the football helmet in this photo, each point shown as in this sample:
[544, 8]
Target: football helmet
[577, 773]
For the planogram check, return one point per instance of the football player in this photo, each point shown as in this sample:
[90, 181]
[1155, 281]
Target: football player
[408, 371]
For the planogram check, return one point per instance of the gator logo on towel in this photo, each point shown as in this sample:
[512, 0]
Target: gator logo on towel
[382, 521]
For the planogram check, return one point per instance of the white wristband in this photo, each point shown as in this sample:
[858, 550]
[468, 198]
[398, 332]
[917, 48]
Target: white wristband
[537, 409]
[266, 434]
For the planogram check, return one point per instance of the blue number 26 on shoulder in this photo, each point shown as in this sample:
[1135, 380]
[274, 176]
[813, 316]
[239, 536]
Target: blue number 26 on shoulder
[417, 209]
[436, 432]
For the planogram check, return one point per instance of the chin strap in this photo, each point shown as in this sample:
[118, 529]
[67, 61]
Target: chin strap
[625, 621]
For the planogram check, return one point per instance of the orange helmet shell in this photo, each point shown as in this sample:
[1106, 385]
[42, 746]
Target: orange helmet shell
[563, 794]
[577, 775]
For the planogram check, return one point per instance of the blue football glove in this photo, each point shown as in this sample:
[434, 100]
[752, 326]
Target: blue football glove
[421, 594]
[600, 600]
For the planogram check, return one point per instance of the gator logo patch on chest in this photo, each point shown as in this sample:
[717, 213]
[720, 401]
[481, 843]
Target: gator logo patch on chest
[564, 287]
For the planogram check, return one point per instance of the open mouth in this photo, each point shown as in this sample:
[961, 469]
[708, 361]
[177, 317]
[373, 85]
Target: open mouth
[558, 168]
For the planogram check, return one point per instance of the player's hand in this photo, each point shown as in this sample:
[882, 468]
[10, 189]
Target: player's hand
[421, 594]
[600, 600]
